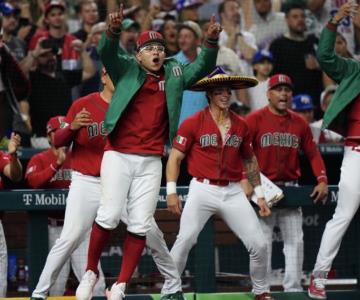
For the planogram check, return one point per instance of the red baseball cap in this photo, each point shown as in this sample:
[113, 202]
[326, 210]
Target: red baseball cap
[54, 123]
[148, 37]
[53, 4]
[279, 79]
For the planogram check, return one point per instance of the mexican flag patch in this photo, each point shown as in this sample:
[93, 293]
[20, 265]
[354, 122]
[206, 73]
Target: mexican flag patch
[181, 140]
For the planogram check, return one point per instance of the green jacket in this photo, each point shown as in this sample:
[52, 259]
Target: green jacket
[345, 72]
[128, 77]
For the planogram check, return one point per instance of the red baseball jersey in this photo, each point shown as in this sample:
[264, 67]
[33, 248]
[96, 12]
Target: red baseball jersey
[43, 172]
[277, 140]
[207, 155]
[143, 126]
[4, 160]
[88, 142]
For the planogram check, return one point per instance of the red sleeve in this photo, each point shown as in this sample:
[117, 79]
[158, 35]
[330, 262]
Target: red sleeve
[252, 125]
[64, 136]
[4, 160]
[246, 149]
[184, 138]
[38, 176]
[313, 154]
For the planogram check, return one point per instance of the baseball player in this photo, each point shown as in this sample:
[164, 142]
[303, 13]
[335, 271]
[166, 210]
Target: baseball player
[217, 146]
[11, 168]
[51, 169]
[143, 114]
[343, 117]
[83, 127]
[278, 135]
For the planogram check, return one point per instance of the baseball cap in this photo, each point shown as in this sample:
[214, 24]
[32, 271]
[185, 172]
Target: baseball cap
[54, 4]
[191, 25]
[330, 89]
[262, 55]
[181, 4]
[302, 102]
[279, 79]
[148, 37]
[128, 23]
[54, 123]
[7, 9]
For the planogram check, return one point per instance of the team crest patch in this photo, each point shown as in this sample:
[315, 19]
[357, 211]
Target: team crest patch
[177, 71]
[181, 140]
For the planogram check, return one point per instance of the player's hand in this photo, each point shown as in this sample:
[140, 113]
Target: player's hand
[320, 192]
[116, 18]
[247, 187]
[174, 204]
[14, 143]
[214, 29]
[347, 9]
[264, 210]
[82, 118]
[61, 155]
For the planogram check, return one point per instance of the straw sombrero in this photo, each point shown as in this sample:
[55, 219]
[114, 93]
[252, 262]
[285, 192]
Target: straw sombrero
[219, 78]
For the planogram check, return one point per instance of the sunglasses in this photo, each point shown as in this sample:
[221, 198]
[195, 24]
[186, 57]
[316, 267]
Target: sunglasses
[150, 48]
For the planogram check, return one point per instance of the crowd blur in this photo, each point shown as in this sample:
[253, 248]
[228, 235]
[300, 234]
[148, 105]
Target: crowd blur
[49, 57]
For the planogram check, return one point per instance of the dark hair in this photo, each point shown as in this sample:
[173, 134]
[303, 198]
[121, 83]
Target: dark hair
[221, 7]
[293, 4]
[166, 19]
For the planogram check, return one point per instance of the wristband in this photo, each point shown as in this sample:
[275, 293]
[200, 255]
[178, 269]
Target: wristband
[259, 192]
[170, 187]
[212, 41]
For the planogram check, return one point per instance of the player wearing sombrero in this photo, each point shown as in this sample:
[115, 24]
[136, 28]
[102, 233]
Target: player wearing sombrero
[217, 145]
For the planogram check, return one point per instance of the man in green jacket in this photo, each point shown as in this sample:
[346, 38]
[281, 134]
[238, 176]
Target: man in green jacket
[342, 115]
[141, 118]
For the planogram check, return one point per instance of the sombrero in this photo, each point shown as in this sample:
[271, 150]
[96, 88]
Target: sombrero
[219, 78]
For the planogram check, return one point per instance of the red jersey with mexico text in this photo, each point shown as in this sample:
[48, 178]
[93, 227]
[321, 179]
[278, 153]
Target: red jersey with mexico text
[143, 126]
[42, 171]
[4, 160]
[89, 142]
[277, 141]
[208, 156]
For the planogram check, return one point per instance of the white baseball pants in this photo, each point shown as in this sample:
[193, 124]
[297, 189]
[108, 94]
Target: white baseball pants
[3, 263]
[81, 206]
[231, 204]
[289, 221]
[347, 206]
[131, 181]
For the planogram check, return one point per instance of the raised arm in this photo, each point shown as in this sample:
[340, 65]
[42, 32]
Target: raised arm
[13, 170]
[333, 65]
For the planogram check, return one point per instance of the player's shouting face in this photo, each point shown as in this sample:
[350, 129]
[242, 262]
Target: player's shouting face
[279, 98]
[220, 97]
[151, 56]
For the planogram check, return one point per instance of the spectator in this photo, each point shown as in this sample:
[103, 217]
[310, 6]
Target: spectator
[170, 33]
[189, 10]
[129, 34]
[14, 89]
[89, 16]
[10, 23]
[266, 24]
[51, 169]
[326, 135]
[242, 42]
[190, 36]
[11, 168]
[294, 55]
[262, 66]
[303, 105]
[157, 13]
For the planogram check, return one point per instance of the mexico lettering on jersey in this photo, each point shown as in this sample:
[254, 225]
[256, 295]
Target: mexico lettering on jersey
[42, 171]
[277, 141]
[89, 142]
[4, 160]
[208, 155]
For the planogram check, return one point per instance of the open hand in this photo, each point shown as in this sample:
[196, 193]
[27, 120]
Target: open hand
[320, 192]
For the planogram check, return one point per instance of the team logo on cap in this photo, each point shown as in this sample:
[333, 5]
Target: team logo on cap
[153, 35]
[282, 78]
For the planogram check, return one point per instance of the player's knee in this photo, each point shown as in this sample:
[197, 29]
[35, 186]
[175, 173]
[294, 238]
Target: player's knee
[259, 248]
